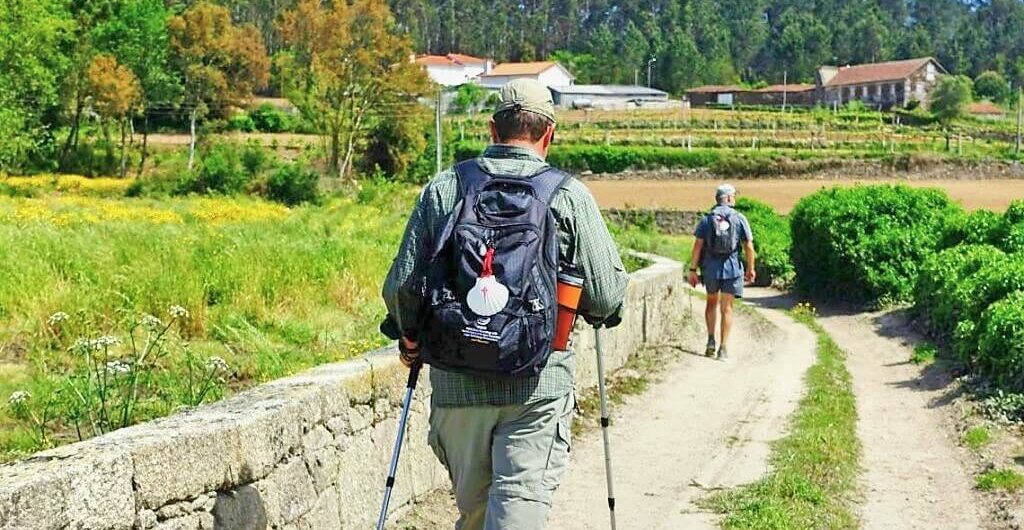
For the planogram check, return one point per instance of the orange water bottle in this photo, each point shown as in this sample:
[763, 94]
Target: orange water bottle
[569, 292]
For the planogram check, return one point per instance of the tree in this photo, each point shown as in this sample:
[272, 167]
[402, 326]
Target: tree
[32, 33]
[116, 96]
[468, 97]
[348, 66]
[950, 99]
[993, 86]
[220, 64]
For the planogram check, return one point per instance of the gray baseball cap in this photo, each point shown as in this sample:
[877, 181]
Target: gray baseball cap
[529, 95]
[725, 190]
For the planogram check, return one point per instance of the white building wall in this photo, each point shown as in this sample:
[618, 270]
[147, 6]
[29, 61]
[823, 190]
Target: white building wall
[453, 75]
[555, 76]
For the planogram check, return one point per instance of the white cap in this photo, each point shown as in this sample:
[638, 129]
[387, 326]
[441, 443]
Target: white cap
[725, 190]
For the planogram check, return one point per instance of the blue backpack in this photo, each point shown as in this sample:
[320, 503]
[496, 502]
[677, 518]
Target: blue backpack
[723, 237]
[490, 282]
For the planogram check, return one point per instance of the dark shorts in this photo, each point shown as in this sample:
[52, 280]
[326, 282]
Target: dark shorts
[733, 286]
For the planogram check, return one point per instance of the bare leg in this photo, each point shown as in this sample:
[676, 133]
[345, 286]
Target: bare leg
[725, 305]
[711, 314]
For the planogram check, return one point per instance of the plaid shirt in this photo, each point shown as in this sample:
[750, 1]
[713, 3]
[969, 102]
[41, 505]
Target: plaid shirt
[582, 233]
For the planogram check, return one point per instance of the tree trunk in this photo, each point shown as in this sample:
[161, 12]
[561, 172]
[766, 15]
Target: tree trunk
[335, 150]
[124, 141]
[192, 138]
[350, 145]
[145, 142]
[72, 138]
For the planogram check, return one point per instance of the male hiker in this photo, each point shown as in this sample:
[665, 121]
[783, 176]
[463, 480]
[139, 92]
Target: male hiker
[481, 312]
[716, 249]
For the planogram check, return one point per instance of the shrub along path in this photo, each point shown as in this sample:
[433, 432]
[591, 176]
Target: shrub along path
[704, 425]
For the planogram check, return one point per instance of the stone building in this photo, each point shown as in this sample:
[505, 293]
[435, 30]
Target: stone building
[879, 85]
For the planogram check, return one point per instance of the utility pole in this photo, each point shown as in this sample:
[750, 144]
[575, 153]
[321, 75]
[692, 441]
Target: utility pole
[1020, 116]
[650, 61]
[437, 130]
[636, 77]
[784, 87]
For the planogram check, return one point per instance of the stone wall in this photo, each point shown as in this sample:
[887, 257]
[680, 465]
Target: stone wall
[667, 221]
[308, 452]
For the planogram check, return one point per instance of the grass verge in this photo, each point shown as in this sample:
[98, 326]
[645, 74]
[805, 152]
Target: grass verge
[814, 468]
[1000, 479]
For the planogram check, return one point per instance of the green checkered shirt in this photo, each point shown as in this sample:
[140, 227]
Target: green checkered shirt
[582, 233]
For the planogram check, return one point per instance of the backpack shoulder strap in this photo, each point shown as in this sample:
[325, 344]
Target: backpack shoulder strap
[472, 177]
[548, 182]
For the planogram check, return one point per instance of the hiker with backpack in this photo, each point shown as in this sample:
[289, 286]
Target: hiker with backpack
[472, 292]
[719, 237]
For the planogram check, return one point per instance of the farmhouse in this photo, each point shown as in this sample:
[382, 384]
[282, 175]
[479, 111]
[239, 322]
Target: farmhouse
[605, 96]
[703, 96]
[548, 72]
[453, 69]
[879, 85]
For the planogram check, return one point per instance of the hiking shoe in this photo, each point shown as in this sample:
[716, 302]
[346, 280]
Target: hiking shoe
[709, 351]
[722, 354]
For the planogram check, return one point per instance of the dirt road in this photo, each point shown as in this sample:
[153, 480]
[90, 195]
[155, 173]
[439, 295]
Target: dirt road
[914, 471]
[705, 425]
[783, 194]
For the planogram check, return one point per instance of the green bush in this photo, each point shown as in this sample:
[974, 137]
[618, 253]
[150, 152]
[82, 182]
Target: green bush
[866, 244]
[1001, 342]
[993, 281]
[1009, 232]
[611, 158]
[254, 158]
[940, 295]
[241, 122]
[771, 240]
[266, 118]
[974, 228]
[294, 184]
[220, 171]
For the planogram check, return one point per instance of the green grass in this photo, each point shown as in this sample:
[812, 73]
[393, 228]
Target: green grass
[976, 438]
[271, 295]
[1000, 479]
[814, 468]
[924, 353]
[643, 236]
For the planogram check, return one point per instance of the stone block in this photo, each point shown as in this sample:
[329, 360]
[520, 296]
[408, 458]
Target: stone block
[287, 493]
[78, 486]
[240, 509]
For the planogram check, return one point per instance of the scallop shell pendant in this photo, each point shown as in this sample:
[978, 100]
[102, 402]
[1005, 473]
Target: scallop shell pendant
[487, 297]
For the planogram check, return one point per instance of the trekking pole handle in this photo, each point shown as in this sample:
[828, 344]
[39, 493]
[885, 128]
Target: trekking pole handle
[414, 374]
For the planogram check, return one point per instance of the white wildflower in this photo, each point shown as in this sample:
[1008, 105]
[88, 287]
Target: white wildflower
[83, 345]
[118, 367]
[178, 312]
[152, 322]
[106, 341]
[19, 397]
[218, 364]
[57, 318]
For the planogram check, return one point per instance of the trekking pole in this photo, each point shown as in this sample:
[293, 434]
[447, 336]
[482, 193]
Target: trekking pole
[410, 387]
[604, 424]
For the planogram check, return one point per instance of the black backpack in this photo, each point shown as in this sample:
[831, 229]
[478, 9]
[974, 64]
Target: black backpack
[723, 236]
[501, 236]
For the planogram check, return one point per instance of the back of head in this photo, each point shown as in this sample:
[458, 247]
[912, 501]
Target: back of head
[724, 194]
[525, 111]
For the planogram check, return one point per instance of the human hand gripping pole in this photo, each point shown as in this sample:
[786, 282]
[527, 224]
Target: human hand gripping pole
[604, 422]
[410, 357]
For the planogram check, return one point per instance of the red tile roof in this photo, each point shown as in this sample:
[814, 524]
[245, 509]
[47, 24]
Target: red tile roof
[521, 68]
[985, 107]
[466, 59]
[799, 87]
[452, 59]
[878, 72]
[715, 89]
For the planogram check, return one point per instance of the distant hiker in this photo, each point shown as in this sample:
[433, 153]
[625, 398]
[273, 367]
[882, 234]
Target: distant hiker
[472, 293]
[719, 237]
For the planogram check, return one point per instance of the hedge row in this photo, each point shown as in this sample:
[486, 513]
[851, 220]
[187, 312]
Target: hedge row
[866, 244]
[972, 293]
[771, 240]
[619, 158]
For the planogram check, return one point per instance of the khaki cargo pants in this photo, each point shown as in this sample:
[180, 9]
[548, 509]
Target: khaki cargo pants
[505, 462]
